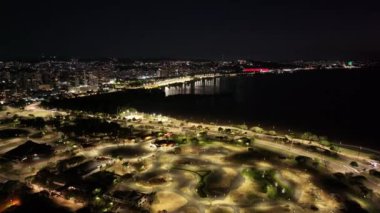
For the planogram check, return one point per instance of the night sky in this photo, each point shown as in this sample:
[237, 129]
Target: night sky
[277, 30]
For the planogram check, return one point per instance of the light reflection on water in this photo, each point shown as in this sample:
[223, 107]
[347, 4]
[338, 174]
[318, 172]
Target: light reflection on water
[207, 86]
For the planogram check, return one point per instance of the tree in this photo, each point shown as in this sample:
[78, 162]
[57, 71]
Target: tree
[325, 142]
[354, 164]
[228, 131]
[374, 173]
[202, 134]
[243, 126]
[257, 129]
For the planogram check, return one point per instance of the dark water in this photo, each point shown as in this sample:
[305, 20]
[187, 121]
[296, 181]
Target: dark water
[339, 104]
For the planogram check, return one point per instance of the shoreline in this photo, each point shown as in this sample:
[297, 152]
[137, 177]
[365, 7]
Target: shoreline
[279, 131]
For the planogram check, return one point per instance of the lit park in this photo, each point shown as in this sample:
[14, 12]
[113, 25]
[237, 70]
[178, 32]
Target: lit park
[136, 162]
[228, 106]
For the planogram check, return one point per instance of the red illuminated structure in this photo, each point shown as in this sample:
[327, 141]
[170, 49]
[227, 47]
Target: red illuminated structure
[255, 70]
